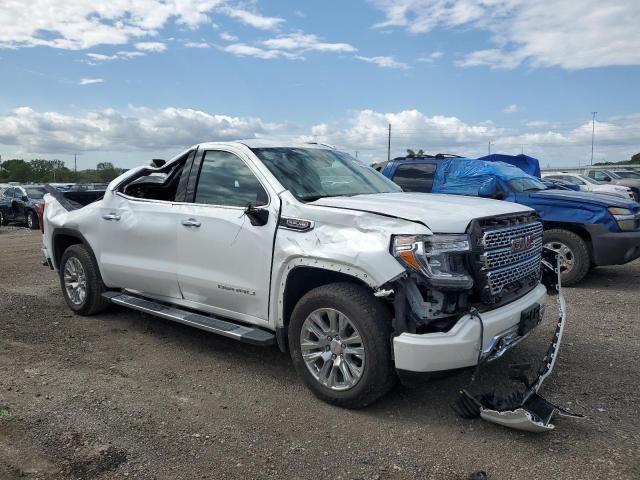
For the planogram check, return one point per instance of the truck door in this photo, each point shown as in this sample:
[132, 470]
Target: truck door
[224, 253]
[18, 204]
[137, 242]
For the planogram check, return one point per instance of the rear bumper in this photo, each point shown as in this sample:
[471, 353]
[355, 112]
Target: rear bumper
[613, 248]
[458, 348]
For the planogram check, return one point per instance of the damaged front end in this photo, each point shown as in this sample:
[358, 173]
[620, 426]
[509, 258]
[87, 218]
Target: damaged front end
[523, 409]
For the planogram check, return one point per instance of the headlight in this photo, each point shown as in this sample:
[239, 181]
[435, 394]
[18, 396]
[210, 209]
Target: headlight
[440, 258]
[625, 219]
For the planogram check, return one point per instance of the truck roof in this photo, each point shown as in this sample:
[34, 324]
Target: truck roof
[269, 143]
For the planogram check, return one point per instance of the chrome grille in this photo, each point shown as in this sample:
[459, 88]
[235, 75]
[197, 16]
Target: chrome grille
[503, 256]
[502, 237]
[508, 256]
[497, 279]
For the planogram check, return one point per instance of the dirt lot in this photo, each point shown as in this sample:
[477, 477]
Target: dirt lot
[124, 395]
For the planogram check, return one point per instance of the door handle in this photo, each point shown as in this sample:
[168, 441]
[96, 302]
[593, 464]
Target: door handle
[114, 217]
[191, 222]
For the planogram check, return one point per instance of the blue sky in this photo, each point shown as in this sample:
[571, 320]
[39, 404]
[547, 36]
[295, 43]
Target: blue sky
[132, 80]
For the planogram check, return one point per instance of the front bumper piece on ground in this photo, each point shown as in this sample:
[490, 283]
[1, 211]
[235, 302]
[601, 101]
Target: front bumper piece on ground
[526, 410]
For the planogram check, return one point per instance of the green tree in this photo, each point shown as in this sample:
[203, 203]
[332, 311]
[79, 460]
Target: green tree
[16, 170]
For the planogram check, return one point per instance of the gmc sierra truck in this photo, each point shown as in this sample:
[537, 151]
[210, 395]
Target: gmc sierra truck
[304, 247]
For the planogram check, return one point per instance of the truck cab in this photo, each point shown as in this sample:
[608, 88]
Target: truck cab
[586, 229]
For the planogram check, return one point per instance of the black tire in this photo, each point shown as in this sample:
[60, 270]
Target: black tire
[93, 302]
[578, 251]
[372, 319]
[32, 220]
[3, 220]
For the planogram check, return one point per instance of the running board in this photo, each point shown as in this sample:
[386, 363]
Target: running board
[251, 335]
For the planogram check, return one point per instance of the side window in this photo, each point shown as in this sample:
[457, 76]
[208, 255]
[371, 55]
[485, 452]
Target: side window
[576, 181]
[226, 180]
[600, 176]
[415, 177]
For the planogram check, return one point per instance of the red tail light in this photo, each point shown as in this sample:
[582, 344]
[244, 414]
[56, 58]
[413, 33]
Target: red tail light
[40, 210]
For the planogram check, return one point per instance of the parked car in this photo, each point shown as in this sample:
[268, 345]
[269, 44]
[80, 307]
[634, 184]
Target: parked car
[18, 204]
[303, 246]
[560, 184]
[586, 229]
[614, 178]
[587, 184]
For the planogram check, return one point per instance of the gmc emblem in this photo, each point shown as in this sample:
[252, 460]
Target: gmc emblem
[521, 243]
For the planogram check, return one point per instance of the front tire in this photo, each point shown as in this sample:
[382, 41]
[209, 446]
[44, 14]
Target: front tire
[575, 260]
[3, 220]
[339, 339]
[82, 287]
[32, 220]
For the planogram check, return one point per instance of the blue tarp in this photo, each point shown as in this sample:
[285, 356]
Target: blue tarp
[525, 163]
[467, 177]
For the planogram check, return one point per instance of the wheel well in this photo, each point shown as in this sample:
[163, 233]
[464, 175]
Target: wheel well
[572, 227]
[302, 280]
[61, 243]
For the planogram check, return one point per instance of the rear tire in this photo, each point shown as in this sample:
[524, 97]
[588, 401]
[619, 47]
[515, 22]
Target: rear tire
[3, 220]
[32, 220]
[80, 280]
[348, 363]
[575, 260]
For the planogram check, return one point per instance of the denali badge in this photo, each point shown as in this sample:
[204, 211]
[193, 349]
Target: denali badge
[521, 243]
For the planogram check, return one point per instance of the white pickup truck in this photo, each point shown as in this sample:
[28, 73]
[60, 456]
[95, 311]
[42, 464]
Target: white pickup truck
[303, 246]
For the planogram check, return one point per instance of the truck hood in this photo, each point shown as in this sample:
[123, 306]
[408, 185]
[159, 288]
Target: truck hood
[582, 198]
[440, 213]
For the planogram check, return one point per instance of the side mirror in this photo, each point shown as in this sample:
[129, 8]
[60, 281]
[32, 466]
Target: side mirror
[606, 179]
[488, 189]
[258, 216]
[158, 162]
[24, 198]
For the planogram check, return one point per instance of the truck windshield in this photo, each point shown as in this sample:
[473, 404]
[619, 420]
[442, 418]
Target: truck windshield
[314, 173]
[521, 185]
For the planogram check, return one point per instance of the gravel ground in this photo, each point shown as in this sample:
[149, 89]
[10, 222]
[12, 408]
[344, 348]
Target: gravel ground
[126, 395]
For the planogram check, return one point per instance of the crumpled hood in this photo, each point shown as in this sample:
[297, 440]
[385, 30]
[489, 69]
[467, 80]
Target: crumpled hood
[440, 213]
[578, 198]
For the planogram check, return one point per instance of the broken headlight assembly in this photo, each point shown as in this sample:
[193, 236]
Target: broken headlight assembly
[625, 219]
[440, 258]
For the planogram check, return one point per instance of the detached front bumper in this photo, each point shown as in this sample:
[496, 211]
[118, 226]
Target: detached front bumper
[458, 348]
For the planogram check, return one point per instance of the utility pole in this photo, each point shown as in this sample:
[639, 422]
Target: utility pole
[593, 132]
[389, 145]
[356, 154]
[489, 149]
[75, 162]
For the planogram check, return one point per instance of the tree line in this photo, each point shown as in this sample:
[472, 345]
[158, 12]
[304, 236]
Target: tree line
[54, 171]
[634, 160]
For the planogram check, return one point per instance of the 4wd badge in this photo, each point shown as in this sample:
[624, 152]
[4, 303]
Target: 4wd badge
[521, 243]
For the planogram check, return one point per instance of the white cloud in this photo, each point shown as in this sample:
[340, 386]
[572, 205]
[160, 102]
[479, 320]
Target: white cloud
[197, 45]
[513, 108]
[227, 37]
[25, 131]
[81, 24]
[541, 33]
[292, 46]
[89, 81]
[244, 50]
[430, 58]
[302, 42]
[384, 62]
[121, 55]
[253, 19]
[151, 46]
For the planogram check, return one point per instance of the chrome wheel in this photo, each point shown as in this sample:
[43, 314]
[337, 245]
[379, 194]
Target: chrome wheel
[30, 220]
[332, 349]
[75, 281]
[567, 258]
